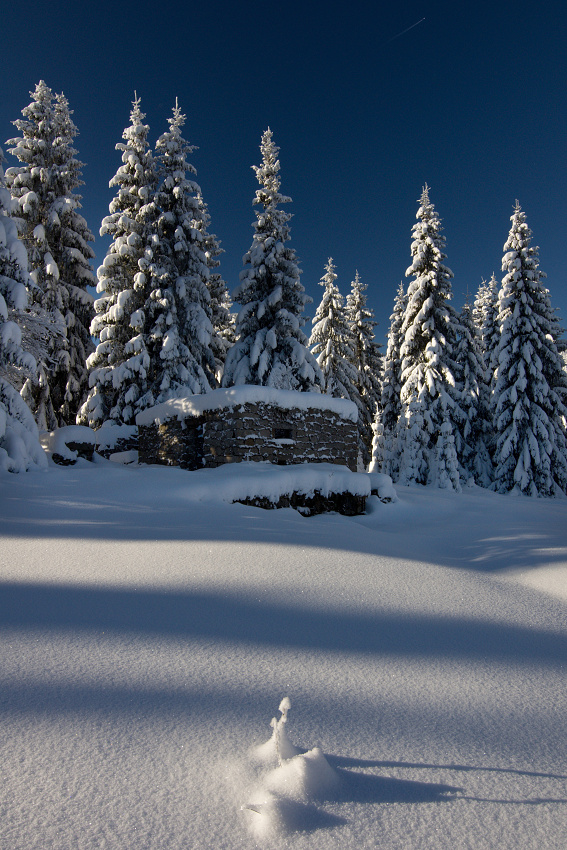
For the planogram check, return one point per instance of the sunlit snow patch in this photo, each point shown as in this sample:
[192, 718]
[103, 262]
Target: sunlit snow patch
[305, 777]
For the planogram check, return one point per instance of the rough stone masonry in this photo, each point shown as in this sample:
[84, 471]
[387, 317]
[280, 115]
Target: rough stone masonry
[233, 428]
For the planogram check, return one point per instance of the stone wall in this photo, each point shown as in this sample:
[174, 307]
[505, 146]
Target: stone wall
[252, 432]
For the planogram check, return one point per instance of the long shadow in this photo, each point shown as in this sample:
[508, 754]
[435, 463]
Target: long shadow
[346, 761]
[529, 801]
[230, 617]
[365, 788]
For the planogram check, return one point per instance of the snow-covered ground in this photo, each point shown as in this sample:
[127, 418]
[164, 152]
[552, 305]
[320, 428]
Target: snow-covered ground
[149, 632]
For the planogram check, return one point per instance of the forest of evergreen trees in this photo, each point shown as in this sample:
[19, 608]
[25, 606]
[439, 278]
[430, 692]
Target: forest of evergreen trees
[477, 395]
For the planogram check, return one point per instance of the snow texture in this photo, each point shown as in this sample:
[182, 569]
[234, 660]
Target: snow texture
[195, 405]
[147, 637]
[56, 442]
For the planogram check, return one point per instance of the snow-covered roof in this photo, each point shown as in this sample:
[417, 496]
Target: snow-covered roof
[195, 405]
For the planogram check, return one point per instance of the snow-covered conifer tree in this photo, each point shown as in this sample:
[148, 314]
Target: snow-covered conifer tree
[222, 318]
[177, 309]
[332, 341]
[271, 349]
[530, 388]
[384, 451]
[473, 433]
[487, 333]
[19, 443]
[485, 320]
[57, 241]
[367, 362]
[429, 395]
[118, 367]
[447, 466]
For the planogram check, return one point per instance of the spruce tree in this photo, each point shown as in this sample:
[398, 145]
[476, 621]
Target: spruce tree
[222, 318]
[19, 444]
[367, 361]
[57, 241]
[487, 333]
[530, 388]
[119, 366]
[271, 349]
[473, 433]
[177, 309]
[332, 341]
[385, 453]
[487, 328]
[429, 395]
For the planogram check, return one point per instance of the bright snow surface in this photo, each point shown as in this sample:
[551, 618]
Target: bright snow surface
[195, 405]
[149, 634]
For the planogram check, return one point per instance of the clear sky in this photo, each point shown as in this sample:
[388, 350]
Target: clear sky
[367, 102]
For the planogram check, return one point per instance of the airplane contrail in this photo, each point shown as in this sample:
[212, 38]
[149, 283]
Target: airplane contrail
[399, 35]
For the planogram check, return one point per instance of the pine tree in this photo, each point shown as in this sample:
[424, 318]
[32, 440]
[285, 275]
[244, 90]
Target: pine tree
[332, 342]
[118, 367]
[271, 349]
[429, 395]
[367, 361]
[57, 241]
[177, 308]
[530, 388]
[19, 444]
[384, 448]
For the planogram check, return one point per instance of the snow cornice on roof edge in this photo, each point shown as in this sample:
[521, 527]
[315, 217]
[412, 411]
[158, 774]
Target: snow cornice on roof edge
[196, 405]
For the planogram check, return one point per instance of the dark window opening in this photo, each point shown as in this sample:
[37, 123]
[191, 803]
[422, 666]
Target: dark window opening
[283, 433]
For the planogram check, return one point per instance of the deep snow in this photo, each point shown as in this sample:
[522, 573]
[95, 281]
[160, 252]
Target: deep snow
[149, 631]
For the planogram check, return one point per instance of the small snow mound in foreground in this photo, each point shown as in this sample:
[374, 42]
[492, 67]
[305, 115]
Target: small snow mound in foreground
[305, 777]
[280, 802]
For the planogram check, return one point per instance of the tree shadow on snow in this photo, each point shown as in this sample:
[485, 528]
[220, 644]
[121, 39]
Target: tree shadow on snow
[404, 530]
[242, 620]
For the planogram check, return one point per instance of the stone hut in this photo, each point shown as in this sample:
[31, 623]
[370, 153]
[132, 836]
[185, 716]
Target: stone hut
[249, 423]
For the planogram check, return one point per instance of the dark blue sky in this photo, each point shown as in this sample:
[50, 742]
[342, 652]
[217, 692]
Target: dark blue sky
[472, 100]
